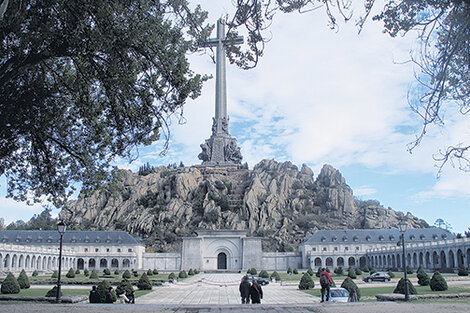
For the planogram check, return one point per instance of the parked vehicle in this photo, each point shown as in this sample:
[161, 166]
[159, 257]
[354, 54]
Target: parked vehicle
[261, 281]
[338, 295]
[379, 276]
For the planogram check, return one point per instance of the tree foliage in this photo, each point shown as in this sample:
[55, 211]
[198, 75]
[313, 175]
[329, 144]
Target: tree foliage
[306, 282]
[10, 285]
[23, 280]
[84, 81]
[400, 288]
[437, 282]
[144, 282]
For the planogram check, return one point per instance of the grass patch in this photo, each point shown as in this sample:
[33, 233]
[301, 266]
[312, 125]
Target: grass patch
[82, 279]
[293, 277]
[65, 292]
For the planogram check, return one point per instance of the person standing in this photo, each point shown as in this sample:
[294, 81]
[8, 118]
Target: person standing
[245, 290]
[110, 296]
[256, 292]
[325, 283]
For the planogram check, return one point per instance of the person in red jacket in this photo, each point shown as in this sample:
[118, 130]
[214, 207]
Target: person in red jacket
[325, 283]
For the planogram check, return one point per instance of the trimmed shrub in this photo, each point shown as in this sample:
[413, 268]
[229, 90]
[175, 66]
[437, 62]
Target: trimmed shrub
[373, 270]
[390, 273]
[155, 271]
[409, 270]
[23, 280]
[190, 272]
[196, 271]
[328, 270]
[310, 271]
[275, 275]
[182, 274]
[437, 282]
[10, 285]
[462, 270]
[358, 271]
[351, 286]
[103, 288]
[352, 273]
[318, 273]
[263, 274]
[116, 272]
[306, 282]
[171, 276]
[70, 273]
[86, 272]
[252, 271]
[106, 271]
[365, 269]
[126, 274]
[35, 273]
[53, 292]
[126, 286]
[93, 275]
[135, 273]
[295, 271]
[339, 270]
[400, 288]
[77, 271]
[55, 274]
[423, 277]
[144, 282]
[289, 271]
[149, 272]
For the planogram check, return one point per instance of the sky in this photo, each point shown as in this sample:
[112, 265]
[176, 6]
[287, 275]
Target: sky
[321, 96]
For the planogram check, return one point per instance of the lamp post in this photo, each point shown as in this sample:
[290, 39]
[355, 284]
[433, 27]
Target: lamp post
[402, 227]
[61, 227]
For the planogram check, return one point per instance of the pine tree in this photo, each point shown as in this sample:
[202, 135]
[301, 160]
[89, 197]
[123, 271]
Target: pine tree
[144, 282]
[126, 274]
[23, 280]
[93, 275]
[438, 283]
[10, 285]
[423, 278]
[306, 282]
[70, 273]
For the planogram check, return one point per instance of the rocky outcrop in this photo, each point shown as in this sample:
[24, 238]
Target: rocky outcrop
[274, 200]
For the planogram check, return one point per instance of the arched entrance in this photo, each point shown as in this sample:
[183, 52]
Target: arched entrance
[221, 261]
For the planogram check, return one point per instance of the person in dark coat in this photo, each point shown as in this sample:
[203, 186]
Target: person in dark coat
[245, 290]
[256, 292]
[325, 283]
[94, 295]
[110, 296]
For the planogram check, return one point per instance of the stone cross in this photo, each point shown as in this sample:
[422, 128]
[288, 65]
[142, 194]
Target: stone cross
[220, 42]
[220, 149]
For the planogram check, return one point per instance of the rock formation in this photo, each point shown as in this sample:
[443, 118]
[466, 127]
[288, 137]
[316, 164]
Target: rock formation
[274, 200]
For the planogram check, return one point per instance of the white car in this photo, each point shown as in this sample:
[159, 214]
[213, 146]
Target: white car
[338, 295]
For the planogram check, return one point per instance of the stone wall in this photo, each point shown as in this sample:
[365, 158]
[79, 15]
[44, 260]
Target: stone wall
[281, 261]
[162, 261]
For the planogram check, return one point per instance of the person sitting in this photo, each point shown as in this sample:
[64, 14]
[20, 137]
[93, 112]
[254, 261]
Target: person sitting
[131, 297]
[94, 295]
[123, 297]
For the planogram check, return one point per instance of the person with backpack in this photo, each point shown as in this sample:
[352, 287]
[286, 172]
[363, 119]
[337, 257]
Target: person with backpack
[325, 283]
[94, 295]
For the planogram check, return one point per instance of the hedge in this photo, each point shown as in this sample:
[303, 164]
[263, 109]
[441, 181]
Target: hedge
[10, 285]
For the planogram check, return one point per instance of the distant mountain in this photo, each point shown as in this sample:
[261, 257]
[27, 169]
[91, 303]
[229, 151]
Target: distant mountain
[274, 200]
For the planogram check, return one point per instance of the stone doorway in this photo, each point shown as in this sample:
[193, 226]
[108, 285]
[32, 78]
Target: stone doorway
[221, 261]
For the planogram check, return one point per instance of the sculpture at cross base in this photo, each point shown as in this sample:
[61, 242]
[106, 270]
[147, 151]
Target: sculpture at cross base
[220, 148]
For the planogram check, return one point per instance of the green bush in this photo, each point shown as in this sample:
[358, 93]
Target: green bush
[106, 271]
[358, 271]
[171, 276]
[190, 272]
[306, 282]
[409, 270]
[86, 272]
[365, 269]
[23, 280]
[55, 274]
[372, 270]
[144, 282]
[196, 271]
[10, 285]
[77, 272]
[318, 273]
[423, 277]
[35, 273]
[438, 283]
[70, 273]
[352, 273]
[275, 275]
[126, 286]
[263, 274]
[93, 275]
[289, 271]
[310, 271]
[391, 274]
[149, 272]
[338, 271]
[351, 286]
[103, 288]
[116, 272]
[53, 293]
[462, 270]
[126, 274]
[155, 271]
[295, 271]
[252, 271]
[182, 274]
[135, 273]
[400, 288]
